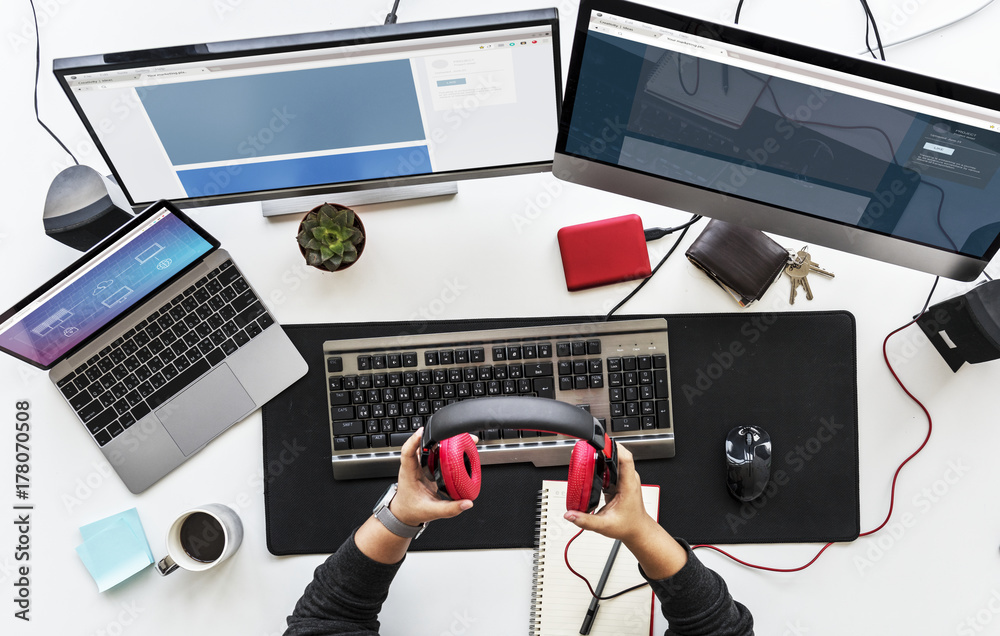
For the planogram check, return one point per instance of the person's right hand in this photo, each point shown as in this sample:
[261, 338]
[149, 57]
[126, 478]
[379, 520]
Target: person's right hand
[624, 517]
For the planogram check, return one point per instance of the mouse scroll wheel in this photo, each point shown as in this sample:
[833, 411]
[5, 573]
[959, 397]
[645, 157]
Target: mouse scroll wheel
[749, 438]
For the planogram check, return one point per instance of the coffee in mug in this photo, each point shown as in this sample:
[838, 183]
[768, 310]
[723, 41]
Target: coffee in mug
[201, 538]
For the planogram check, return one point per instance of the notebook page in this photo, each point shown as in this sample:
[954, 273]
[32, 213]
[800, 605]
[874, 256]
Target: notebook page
[562, 599]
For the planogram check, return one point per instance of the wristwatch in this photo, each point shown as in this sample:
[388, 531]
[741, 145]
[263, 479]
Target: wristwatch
[389, 520]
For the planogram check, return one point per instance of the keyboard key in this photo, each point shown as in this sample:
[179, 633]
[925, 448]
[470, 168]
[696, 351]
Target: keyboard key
[395, 360]
[265, 321]
[341, 443]
[349, 427]
[79, 400]
[102, 437]
[461, 356]
[379, 362]
[446, 356]
[545, 350]
[499, 354]
[398, 439]
[477, 354]
[593, 347]
[410, 359]
[430, 358]
[341, 413]
[660, 361]
[340, 398]
[621, 424]
[579, 347]
[645, 362]
[629, 363]
[241, 338]
[379, 440]
[660, 384]
[359, 441]
[530, 351]
[334, 364]
[562, 349]
[544, 387]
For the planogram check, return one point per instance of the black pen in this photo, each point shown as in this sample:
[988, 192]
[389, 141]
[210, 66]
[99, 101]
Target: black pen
[588, 620]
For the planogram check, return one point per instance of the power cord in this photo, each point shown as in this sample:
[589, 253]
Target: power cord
[38, 64]
[870, 20]
[390, 18]
[657, 232]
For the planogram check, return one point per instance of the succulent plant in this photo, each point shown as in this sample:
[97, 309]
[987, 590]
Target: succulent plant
[329, 238]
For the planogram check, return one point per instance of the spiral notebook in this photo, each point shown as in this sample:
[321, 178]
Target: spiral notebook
[560, 599]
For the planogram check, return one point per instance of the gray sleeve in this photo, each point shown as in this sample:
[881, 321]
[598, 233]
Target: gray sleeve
[345, 595]
[696, 602]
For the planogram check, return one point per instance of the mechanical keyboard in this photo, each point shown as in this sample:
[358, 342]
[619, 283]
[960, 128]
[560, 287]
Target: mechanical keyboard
[380, 390]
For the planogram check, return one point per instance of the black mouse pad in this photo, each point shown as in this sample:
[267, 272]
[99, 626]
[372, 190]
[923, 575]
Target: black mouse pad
[793, 374]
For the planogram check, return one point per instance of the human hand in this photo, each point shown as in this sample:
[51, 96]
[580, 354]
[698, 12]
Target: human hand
[416, 499]
[625, 516]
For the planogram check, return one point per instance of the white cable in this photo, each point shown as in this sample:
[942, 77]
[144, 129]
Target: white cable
[910, 38]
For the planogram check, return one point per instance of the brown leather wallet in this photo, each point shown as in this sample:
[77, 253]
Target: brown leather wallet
[743, 261]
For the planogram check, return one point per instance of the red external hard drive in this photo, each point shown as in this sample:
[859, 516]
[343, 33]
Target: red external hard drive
[604, 252]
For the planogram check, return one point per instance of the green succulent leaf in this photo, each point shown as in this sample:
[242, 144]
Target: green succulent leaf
[314, 259]
[313, 244]
[344, 218]
[333, 263]
[326, 252]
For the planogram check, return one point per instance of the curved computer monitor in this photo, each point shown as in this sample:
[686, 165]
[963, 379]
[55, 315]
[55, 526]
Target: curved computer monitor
[393, 107]
[822, 147]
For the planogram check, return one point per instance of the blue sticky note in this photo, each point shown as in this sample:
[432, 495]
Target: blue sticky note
[112, 551]
[130, 517]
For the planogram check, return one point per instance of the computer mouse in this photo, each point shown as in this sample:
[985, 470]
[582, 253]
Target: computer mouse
[748, 461]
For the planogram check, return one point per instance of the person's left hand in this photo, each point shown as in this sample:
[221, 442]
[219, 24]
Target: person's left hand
[416, 499]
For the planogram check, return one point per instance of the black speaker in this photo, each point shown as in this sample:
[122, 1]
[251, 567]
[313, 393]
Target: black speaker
[966, 328]
[82, 208]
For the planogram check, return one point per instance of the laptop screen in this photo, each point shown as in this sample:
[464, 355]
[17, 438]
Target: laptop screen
[84, 300]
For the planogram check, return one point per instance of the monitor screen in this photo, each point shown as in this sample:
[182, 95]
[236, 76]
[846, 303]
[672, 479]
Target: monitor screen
[812, 145]
[325, 112]
[102, 286]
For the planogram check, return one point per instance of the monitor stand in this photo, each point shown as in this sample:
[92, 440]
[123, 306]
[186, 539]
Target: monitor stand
[301, 205]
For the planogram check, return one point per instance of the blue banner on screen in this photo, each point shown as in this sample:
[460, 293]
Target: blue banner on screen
[306, 171]
[266, 115]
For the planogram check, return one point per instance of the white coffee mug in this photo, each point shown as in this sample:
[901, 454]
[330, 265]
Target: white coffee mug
[201, 538]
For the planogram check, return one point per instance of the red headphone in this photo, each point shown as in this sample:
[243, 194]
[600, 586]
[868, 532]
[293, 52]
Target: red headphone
[449, 456]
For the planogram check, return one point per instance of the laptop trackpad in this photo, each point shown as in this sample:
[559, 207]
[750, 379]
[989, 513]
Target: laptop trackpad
[205, 409]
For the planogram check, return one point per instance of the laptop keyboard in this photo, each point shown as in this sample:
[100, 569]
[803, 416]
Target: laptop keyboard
[165, 352]
[380, 390]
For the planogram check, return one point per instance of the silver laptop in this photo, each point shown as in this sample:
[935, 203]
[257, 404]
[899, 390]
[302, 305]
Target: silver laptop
[157, 342]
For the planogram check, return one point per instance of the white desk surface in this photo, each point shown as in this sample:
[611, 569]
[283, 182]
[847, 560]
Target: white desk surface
[932, 571]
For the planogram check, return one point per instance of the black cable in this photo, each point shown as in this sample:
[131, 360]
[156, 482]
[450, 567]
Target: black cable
[871, 18]
[739, 8]
[38, 65]
[654, 233]
[988, 277]
[655, 269]
[868, 43]
[697, 75]
[390, 18]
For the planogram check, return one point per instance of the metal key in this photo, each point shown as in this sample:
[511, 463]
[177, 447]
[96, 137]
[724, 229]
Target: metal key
[799, 273]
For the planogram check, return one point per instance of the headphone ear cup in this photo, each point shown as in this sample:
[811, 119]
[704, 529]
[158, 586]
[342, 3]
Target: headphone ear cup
[460, 469]
[580, 487]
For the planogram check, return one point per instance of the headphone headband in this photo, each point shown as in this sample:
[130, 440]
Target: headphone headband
[518, 412]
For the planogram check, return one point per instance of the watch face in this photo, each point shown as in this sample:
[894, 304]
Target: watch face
[386, 497]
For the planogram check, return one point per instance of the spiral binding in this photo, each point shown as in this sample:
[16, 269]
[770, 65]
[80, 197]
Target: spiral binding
[538, 568]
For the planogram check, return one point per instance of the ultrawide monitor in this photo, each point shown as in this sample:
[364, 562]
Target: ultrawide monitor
[299, 115]
[821, 147]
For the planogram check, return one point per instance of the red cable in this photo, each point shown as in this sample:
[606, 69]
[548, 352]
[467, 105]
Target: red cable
[892, 491]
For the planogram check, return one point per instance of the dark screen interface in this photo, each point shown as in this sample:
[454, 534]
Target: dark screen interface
[788, 144]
